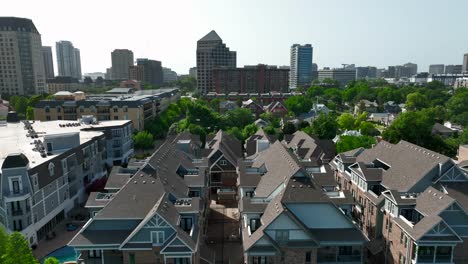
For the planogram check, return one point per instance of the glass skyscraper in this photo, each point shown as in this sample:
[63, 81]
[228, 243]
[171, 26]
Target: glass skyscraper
[301, 66]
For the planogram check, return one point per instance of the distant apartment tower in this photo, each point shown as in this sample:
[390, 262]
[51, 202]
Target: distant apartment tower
[453, 69]
[211, 53]
[368, 72]
[21, 65]
[412, 68]
[250, 79]
[147, 71]
[193, 72]
[436, 68]
[122, 59]
[301, 66]
[343, 76]
[465, 63]
[68, 59]
[48, 62]
[169, 75]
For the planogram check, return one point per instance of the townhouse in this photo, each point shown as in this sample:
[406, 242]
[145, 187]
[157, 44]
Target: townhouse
[279, 202]
[387, 182]
[155, 215]
[45, 167]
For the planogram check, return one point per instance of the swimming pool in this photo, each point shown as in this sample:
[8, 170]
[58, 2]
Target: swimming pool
[63, 254]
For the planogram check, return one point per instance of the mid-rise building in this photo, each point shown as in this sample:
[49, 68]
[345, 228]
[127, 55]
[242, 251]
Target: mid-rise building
[108, 74]
[147, 71]
[193, 72]
[68, 59]
[343, 76]
[61, 83]
[122, 59]
[412, 68]
[119, 104]
[465, 63]
[448, 79]
[436, 68]
[21, 64]
[301, 66]
[95, 75]
[212, 53]
[250, 79]
[46, 166]
[368, 72]
[453, 69]
[169, 75]
[48, 62]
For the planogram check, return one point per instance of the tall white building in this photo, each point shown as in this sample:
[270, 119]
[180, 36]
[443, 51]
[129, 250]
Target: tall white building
[21, 65]
[68, 59]
[301, 66]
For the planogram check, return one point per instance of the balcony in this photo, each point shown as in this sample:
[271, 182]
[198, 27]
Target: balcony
[16, 196]
[344, 254]
[433, 254]
[18, 212]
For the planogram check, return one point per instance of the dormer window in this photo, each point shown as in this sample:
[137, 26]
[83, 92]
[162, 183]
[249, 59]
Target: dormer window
[51, 169]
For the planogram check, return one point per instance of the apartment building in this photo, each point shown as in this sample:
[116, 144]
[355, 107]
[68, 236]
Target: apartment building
[250, 79]
[21, 65]
[45, 167]
[61, 83]
[301, 65]
[386, 182]
[157, 215]
[138, 107]
[342, 75]
[279, 201]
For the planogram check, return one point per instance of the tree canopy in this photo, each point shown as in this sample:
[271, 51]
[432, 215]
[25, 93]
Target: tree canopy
[17, 250]
[353, 142]
[143, 140]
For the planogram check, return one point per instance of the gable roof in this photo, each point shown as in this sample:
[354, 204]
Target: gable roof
[228, 145]
[409, 163]
[211, 36]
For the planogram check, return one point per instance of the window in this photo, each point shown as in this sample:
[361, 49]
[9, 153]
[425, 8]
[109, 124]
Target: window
[51, 169]
[260, 260]
[182, 261]
[390, 224]
[223, 162]
[47, 109]
[194, 194]
[282, 236]
[94, 253]
[308, 257]
[254, 224]
[186, 223]
[406, 241]
[401, 237]
[49, 146]
[15, 186]
[131, 258]
[400, 259]
[249, 194]
[157, 237]
[116, 109]
[116, 118]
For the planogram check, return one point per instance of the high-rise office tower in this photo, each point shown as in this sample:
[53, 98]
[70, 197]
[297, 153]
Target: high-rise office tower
[436, 69]
[68, 59]
[411, 68]
[212, 53]
[48, 62]
[301, 66]
[122, 59]
[465, 63]
[21, 65]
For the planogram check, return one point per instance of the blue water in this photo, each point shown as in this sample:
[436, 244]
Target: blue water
[63, 254]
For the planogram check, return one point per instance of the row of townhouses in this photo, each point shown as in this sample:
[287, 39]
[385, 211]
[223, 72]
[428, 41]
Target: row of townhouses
[46, 166]
[298, 201]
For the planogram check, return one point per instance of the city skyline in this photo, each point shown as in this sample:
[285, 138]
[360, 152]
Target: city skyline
[374, 34]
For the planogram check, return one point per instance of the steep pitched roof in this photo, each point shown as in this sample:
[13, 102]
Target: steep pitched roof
[280, 166]
[228, 145]
[251, 142]
[211, 36]
[408, 163]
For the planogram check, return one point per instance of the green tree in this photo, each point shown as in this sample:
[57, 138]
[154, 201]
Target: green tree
[18, 251]
[239, 117]
[236, 132]
[416, 101]
[298, 104]
[289, 128]
[368, 129]
[457, 107]
[352, 142]
[51, 260]
[249, 130]
[143, 140]
[346, 121]
[3, 242]
[411, 126]
[30, 113]
[324, 127]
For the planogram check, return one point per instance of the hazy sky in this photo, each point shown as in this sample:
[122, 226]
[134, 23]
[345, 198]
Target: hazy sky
[364, 32]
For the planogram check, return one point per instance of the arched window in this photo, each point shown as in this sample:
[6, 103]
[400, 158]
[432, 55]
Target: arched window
[51, 169]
